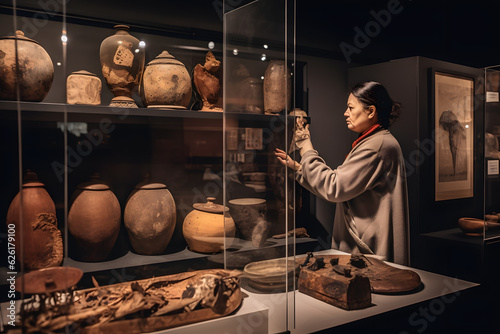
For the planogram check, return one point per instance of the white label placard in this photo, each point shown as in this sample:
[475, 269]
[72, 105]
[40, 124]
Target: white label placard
[493, 168]
[492, 97]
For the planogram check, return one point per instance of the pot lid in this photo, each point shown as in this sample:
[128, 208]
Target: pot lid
[20, 36]
[165, 58]
[48, 280]
[94, 183]
[209, 206]
[150, 186]
[83, 72]
[31, 180]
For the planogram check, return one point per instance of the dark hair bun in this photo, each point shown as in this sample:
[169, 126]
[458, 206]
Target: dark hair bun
[371, 93]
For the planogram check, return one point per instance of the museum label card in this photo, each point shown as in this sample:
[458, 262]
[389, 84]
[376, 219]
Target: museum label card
[493, 168]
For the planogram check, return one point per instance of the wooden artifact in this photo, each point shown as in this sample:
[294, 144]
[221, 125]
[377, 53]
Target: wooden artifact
[207, 79]
[341, 280]
[341, 288]
[140, 306]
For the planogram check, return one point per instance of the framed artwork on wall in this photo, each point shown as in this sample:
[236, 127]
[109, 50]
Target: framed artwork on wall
[453, 109]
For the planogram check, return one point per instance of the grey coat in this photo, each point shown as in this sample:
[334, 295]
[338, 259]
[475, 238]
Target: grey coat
[371, 195]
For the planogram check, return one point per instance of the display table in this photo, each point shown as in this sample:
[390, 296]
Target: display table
[267, 312]
[313, 315]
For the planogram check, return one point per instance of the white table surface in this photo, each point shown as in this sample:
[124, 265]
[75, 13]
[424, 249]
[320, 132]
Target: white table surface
[314, 315]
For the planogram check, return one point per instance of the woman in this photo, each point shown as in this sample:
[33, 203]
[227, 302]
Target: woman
[370, 185]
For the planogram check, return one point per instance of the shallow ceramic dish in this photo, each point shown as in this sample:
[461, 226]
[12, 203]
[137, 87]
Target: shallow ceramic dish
[270, 274]
[475, 226]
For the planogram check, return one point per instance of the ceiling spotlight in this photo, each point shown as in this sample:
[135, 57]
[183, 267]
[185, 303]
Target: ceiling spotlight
[265, 46]
[211, 45]
[235, 52]
[142, 44]
[263, 57]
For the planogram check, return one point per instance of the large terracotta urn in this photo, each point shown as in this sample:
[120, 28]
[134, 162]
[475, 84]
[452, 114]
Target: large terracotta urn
[37, 232]
[277, 88]
[150, 218]
[94, 220]
[36, 71]
[206, 226]
[122, 63]
[166, 83]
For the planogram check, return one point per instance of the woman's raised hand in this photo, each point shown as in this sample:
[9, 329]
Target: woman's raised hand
[286, 160]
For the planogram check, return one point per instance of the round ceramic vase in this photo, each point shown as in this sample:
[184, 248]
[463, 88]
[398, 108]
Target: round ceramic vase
[166, 83]
[122, 63]
[36, 71]
[205, 227]
[150, 218]
[94, 220]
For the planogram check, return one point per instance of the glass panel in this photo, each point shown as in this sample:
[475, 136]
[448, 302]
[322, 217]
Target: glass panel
[492, 153]
[259, 191]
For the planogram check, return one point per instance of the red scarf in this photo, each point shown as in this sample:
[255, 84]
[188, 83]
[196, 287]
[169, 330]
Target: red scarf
[366, 133]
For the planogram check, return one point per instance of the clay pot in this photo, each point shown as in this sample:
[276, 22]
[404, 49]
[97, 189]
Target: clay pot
[249, 217]
[83, 87]
[277, 88]
[41, 240]
[36, 71]
[150, 218]
[122, 62]
[94, 220]
[206, 226]
[166, 83]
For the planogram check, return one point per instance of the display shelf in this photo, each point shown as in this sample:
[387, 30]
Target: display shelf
[40, 111]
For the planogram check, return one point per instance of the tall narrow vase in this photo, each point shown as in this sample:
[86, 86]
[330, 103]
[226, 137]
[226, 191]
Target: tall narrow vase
[122, 62]
[42, 244]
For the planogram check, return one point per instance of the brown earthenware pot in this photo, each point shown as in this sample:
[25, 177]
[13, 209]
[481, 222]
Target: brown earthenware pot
[150, 218]
[41, 240]
[122, 63]
[166, 83]
[205, 227]
[36, 71]
[94, 220]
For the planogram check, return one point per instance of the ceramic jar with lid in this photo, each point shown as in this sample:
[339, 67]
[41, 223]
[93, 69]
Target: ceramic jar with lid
[122, 63]
[36, 71]
[41, 240]
[83, 87]
[166, 83]
[94, 220]
[150, 218]
[206, 227]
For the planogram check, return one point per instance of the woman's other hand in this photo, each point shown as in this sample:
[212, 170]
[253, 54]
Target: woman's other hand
[286, 160]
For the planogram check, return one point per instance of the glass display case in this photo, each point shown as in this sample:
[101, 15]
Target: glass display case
[491, 226]
[139, 168]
